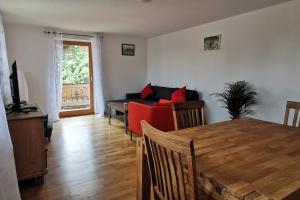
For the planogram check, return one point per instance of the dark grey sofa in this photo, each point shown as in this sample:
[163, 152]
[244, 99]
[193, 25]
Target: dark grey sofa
[159, 93]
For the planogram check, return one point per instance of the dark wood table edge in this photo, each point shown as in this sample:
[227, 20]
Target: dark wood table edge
[119, 108]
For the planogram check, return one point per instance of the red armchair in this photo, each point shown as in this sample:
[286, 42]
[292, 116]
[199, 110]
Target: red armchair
[159, 116]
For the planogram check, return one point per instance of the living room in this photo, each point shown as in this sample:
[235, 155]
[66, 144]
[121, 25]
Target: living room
[195, 47]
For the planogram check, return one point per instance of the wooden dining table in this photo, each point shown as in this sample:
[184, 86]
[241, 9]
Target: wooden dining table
[244, 159]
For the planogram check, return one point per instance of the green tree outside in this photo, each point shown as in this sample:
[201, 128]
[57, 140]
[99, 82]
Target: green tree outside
[75, 65]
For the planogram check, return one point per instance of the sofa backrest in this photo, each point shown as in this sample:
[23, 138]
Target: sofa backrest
[166, 93]
[162, 92]
[192, 95]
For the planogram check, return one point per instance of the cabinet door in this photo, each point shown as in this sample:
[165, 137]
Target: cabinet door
[29, 147]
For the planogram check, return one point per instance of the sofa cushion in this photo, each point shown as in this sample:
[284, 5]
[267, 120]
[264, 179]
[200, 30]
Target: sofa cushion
[147, 92]
[162, 93]
[179, 95]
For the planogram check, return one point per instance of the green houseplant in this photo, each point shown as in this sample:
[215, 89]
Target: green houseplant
[237, 98]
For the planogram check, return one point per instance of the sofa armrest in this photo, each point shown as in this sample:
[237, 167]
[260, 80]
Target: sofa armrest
[133, 95]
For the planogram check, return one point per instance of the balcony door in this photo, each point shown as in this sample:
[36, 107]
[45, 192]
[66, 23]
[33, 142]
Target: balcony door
[77, 79]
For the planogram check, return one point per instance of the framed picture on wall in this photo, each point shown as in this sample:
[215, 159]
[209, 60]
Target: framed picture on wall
[128, 49]
[212, 43]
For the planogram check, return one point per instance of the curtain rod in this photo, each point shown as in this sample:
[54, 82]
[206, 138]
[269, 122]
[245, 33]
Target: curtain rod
[74, 34]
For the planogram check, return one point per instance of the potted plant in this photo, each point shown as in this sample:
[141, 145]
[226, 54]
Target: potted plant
[237, 98]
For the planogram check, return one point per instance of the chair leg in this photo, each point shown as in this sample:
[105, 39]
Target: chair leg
[131, 135]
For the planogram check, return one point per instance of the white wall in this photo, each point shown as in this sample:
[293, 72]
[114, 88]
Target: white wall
[123, 74]
[262, 47]
[28, 45]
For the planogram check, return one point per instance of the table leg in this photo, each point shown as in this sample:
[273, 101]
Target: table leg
[125, 121]
[143, 191]
[109, 115]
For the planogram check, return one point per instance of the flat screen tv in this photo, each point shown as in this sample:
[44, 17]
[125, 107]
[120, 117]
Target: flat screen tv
[14, 84]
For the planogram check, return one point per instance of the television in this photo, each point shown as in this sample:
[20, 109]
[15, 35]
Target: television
[14, 84]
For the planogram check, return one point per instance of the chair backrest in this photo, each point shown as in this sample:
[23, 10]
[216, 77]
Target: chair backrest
[166, 154]
[291, 105]
[188, 114]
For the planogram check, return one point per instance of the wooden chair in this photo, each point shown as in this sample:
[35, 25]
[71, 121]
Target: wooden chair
[291, 105]
[165, 154]
[188, 114]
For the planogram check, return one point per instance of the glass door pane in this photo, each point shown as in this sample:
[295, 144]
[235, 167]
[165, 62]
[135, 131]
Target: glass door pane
[76, 76]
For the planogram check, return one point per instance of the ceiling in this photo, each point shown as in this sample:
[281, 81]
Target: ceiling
[125, 16]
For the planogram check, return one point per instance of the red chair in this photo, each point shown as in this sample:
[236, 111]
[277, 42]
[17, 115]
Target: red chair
[159, 116]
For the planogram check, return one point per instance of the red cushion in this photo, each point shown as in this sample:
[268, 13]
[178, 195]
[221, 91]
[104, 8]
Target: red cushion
[179, 95]
[165, 101]
[147, 91]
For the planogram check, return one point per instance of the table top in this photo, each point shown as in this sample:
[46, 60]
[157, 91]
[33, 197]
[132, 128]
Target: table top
[249, 158]
[119, 106]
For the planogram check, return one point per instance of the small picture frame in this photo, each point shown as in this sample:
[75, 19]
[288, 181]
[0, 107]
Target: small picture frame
[128, 49]
[212, 43]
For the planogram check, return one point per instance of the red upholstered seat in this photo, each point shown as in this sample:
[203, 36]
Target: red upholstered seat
[159, 116]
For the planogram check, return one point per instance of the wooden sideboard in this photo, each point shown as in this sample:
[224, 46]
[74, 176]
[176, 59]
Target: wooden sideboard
[27, 135]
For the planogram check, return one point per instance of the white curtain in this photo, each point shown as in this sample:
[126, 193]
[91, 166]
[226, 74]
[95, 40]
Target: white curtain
[54, 86]
[4, 68]
[97, 77]
[9, 189]
[8, 178]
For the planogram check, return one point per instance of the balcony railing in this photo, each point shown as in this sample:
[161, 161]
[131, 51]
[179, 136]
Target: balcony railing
[75, 96]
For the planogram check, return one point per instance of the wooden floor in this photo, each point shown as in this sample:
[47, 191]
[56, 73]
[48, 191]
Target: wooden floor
[87, 160]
